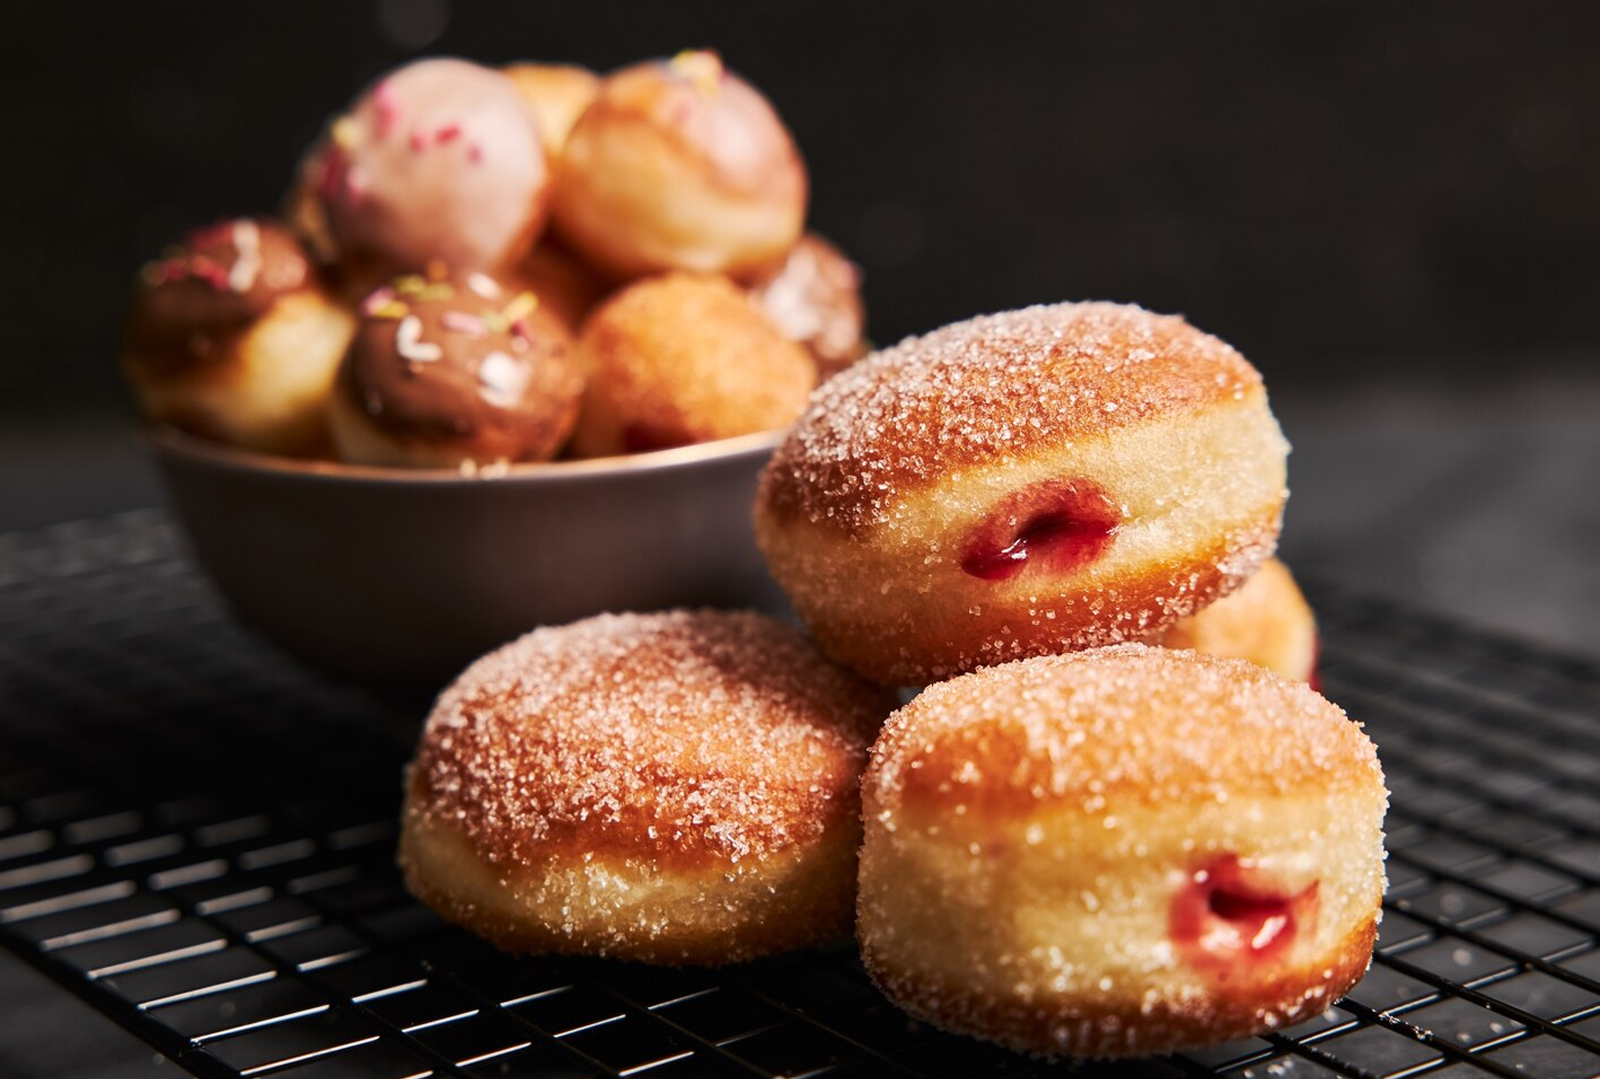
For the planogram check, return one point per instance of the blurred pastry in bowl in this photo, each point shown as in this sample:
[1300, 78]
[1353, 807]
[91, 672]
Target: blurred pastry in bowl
[813, 296]
[1267, 621]
[439, 161]
[680, 359]
[232, 336]
[556, 94]
[455, 372]
[566, 286]
[682, 165]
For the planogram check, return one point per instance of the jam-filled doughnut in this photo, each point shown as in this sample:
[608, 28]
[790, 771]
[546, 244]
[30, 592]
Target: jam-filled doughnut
[1019, 484]
[1267, 621]
[556, 94]
[1118, 852]
[680, 164]
[437, 161]
[670, 788]
[814, 297]
[231, 336]
[683, 358]
[456, 371]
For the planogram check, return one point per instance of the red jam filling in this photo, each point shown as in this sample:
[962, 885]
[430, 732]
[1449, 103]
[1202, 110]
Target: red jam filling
[1314, 679]
[1059, 525]
[1231, 913]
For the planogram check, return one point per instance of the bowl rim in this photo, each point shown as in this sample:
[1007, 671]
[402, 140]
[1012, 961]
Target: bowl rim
[169, 442]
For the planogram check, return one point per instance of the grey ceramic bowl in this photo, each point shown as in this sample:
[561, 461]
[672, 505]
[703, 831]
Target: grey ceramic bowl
[401, 578]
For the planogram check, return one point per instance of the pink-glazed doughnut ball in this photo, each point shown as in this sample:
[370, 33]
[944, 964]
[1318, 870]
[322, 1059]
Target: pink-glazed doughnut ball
[439, 161]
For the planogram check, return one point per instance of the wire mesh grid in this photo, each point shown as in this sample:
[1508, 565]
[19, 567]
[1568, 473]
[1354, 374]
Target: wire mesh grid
[196, 838]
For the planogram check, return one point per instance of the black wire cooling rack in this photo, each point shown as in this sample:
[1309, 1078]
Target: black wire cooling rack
[196, 838]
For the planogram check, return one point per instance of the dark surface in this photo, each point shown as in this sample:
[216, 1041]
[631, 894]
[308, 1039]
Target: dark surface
[177, 847]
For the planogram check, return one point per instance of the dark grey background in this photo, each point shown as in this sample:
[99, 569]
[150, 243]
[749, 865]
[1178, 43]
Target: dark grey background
[1393, 209]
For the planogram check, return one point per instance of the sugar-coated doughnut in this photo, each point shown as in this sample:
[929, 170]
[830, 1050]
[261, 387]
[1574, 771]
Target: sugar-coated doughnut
[670, 788]
[1019, 484]
[1267, 621]
[682, 165]
[556, 94]
[1119, 852]
[680, 359]
[814, 297]
[232, 337]
[455, 372]
[439, 160]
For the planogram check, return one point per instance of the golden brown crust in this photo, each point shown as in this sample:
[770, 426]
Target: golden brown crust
[680, 359]
[918, 646]
[1090, 1025]
[1131, 722]
[566, 287]
[692, 739]
[1266, 621]
[677, 787]
[556, 94]
[779, 905]
[1052, 848]
[987, 390]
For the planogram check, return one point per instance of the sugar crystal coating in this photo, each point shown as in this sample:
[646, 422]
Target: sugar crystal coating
[691, 737]
[1038, 835]
[986, 389]
[1126, 722]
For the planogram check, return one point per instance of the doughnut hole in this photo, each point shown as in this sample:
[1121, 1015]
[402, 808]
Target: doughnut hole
[668, 788]
[556, 95]
[265, 388]
[1267, 621]
[458, 373]
[680, 359]
[813, 296]
[1120, 852]
[680, 165]
[438, 161]
[565, 286]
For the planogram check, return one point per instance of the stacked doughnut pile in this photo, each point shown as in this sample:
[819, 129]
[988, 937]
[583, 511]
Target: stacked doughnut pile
[1074, 841]
[478, 267]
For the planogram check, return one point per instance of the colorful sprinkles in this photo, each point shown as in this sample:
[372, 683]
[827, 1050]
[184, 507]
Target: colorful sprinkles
[409, 344]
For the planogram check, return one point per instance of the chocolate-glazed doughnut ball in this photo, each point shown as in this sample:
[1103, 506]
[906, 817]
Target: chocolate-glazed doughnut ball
[813, 296]
[232, 337]
[1020, 484]
[680, 359]
[556, 94]
[458, 372]
[680, 165]
[437, 161]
